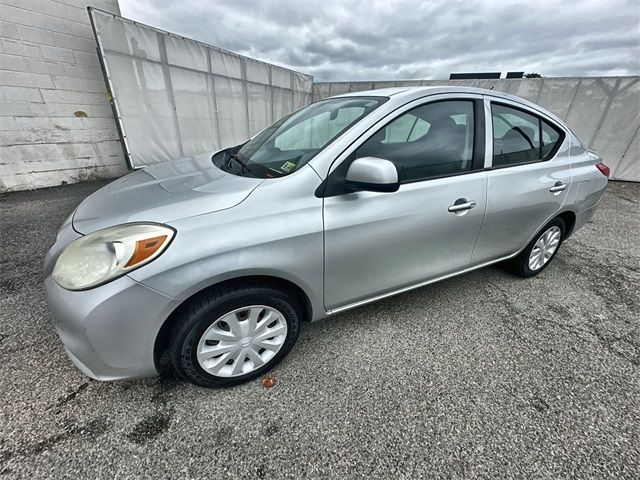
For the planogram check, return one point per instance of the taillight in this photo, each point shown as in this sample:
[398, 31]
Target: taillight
[603, 169]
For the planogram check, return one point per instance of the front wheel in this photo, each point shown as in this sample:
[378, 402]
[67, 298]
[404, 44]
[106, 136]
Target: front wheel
[542, 249]
[234, 334]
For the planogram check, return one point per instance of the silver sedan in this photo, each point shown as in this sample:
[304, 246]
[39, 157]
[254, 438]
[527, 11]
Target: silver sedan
[207, 266]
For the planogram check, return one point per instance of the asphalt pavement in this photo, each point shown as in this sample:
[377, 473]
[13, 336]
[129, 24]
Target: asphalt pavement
[481, 376]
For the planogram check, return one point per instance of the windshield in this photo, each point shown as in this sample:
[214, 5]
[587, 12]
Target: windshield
[291, 142]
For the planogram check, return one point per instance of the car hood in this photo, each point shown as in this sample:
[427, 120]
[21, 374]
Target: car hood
[162, 193]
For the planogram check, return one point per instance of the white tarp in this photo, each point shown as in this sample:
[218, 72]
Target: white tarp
[176, 97]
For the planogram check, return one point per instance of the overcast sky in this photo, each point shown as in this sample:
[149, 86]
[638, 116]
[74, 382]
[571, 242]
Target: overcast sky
[385, 40]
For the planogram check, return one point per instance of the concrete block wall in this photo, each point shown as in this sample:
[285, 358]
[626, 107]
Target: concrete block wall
[56, 123]
[604, 112]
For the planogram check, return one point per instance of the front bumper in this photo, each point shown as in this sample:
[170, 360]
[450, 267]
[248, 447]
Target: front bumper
[109, 332]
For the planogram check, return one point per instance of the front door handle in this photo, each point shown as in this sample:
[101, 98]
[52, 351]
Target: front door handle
[461, 205]
[558, 187]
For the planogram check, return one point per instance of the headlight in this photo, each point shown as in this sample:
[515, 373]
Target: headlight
[110, 253]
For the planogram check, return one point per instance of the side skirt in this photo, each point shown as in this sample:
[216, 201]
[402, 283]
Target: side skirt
[418, 285]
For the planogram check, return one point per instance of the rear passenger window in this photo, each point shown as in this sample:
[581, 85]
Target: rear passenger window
[520, 137]
[432, 140]
[550, 138]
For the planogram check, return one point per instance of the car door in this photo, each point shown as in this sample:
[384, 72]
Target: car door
[377, 243]
[527, 180]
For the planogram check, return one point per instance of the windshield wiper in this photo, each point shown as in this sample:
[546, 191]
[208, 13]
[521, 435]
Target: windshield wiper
[242, 164]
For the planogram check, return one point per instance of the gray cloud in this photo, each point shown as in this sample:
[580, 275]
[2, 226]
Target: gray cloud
[394, 40]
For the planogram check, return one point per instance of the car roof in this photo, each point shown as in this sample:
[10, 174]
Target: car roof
[413, 93]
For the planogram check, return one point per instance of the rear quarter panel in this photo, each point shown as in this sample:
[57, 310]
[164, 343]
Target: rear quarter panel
[588, 185]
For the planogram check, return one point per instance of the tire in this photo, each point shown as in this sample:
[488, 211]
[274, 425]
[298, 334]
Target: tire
[221, 314]
[520, 265]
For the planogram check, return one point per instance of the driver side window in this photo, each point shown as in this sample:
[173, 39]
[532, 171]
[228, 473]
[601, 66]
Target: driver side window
[428, 141]
[405, 129]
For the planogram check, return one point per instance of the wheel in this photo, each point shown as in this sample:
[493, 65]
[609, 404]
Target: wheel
[539, 253]
[234, 334]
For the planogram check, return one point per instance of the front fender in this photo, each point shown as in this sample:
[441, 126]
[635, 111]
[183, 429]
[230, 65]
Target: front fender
[277, 231]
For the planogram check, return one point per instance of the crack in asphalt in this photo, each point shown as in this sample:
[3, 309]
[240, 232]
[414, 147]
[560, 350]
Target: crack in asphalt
[64, 400]
[624, 198]
[612, 275]
[92, 429]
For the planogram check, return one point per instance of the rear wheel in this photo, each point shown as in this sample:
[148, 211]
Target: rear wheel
[542, 249]
[234, 334]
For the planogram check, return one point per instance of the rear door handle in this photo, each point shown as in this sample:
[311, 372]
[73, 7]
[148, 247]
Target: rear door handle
[558, 187]
[459, 207]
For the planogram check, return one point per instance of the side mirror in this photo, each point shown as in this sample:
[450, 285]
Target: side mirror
[373, 174]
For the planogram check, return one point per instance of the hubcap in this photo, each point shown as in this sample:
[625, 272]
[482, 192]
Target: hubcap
[242, 341]
[544, 248]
